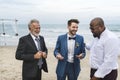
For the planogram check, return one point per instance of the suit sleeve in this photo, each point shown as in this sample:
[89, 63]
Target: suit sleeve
[44, 66]
[21, 51]
[83, 48]
[45, 48]
[57, 48]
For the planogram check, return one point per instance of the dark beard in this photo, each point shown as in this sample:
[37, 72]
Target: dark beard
[72, 33]
[94, 36]
[97, 35]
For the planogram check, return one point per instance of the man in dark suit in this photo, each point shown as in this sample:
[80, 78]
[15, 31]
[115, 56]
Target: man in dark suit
[32, 50]
[69, 50]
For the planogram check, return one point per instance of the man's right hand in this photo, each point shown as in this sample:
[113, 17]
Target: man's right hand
[38, 55]
[94, 78]
[59, 56]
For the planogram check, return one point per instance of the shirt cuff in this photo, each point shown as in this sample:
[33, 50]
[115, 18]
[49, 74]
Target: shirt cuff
[98, 75]
[102, 74]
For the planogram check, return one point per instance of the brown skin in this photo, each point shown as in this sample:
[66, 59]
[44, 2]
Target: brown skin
[35, 30]
[94, 78]
[96, 29]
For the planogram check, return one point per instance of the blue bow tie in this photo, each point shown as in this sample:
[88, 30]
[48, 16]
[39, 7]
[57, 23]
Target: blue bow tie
[72, 38]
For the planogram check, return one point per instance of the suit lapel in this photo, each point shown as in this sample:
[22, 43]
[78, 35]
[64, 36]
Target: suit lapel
[32, 42]
[76, 43]
[66, 43]
[41, 42]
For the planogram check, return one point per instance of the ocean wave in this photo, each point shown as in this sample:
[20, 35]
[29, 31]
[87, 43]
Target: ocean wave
[7, 35]
[116, 30]
[4, 35]
[56, 31]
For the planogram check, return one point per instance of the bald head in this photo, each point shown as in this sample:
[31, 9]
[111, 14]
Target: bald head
[97, 22]
[97, 26]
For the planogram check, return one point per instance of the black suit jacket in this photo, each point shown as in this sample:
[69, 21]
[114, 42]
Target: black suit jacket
[25, 51]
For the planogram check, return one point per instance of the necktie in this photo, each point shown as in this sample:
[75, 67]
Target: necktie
[39, 49]
[72, 38]
[38, 44]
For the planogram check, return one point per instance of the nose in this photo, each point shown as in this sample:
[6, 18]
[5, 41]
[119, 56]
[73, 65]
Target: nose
[92, 31]
[76, 29]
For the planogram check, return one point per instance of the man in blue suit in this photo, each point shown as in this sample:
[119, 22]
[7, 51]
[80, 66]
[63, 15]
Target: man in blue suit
[69, 50]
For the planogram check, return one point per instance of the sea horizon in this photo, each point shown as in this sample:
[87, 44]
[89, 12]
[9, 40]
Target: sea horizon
[49, 31]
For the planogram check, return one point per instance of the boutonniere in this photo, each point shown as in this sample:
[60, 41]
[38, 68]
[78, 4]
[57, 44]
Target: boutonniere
[77, 45]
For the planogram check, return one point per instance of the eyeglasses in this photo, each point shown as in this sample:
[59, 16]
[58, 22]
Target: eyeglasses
[93, 28]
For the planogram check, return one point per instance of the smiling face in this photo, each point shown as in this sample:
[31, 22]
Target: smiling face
[96, 30]
[97, 27]
[73, 28]
[35, 28]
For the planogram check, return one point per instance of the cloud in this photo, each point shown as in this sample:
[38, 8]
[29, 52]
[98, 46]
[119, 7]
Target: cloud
[53, 10]
[62, 6]
[17, 2]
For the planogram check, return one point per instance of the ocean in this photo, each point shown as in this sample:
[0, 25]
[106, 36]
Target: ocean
[49, 31]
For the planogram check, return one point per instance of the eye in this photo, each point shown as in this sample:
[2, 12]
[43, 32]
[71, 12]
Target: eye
[37, 28]
[92, 29]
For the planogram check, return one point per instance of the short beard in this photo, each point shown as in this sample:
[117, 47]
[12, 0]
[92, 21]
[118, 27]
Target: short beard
[35, 34]
[98, 36]
[94, 36]
[72, 33]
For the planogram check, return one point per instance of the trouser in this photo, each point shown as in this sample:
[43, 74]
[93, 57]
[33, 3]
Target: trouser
[111, 76]
[69, 73]
[37, 77]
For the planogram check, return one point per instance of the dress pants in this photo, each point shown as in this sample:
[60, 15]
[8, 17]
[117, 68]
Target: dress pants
[37, 77]
[69, 73]
[111, 76]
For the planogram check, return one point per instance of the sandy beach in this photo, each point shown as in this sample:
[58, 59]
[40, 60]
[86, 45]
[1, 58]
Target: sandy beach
[10, 68]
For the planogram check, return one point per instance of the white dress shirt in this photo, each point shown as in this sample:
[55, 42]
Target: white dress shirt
[104, 53]
[33, 37]
[71, 45]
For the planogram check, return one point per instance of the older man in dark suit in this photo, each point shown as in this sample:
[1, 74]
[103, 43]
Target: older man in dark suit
[32, 50]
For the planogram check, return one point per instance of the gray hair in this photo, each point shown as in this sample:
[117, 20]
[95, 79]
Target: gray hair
[32, 21]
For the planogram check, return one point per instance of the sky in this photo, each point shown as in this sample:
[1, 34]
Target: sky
[60, 11]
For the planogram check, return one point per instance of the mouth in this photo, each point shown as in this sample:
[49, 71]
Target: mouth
[35, 33]
[73, 32]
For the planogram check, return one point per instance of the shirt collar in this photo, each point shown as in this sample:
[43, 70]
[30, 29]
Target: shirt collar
[33, 36]
[104, 32]
[70, 35]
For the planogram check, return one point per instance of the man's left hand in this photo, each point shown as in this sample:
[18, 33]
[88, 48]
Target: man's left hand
[94, 78]
[44, 55]
[79, 56]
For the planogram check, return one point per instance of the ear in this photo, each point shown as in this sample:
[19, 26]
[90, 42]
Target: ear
[29, 28]
[101, 28]
[68, 27]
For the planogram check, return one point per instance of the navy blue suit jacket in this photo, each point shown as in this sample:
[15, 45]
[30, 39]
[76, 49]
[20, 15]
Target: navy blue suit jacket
[62, 48]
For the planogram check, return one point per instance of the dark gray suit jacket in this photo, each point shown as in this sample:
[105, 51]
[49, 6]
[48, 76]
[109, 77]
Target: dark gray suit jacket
[25, 51]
